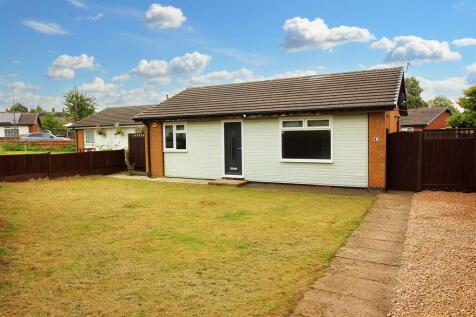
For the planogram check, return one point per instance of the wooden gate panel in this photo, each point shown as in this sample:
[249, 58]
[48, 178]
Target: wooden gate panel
[136, 154]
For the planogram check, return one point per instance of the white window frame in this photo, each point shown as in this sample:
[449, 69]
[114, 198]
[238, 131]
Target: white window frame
[86, 136]
[175, 132]
[12, 129]
[306, 128]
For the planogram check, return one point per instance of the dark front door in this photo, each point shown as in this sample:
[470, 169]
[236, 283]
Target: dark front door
[233, 148]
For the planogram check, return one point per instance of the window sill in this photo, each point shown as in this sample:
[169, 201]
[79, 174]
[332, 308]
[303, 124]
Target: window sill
[306, 161]
[175, 151]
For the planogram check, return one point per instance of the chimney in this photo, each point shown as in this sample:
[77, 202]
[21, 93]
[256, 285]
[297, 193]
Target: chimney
[166, 96]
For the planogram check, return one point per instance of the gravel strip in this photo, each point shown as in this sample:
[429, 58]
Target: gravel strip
[437, 276]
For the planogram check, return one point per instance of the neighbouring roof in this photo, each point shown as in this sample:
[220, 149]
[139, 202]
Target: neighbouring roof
[422, 116]
[377, 88]
[110, 116]
[19, 118]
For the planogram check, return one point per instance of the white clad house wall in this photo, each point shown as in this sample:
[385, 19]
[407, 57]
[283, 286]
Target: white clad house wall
[350, 155]
[261, 154]
[22, 130]
[110, 140]
[203, 158]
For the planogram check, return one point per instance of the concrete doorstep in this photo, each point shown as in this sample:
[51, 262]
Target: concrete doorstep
[361, 276]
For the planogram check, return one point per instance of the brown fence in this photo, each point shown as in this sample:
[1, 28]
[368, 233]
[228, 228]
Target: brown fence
[136, 154]
[432, 159]
[27, 166]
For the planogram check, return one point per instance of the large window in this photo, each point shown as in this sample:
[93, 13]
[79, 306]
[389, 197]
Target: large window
[89, 136]
[306, 140]
[175, 137]
[11, 132]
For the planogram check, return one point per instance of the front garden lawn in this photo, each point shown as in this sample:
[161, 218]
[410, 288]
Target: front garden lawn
[101, 246]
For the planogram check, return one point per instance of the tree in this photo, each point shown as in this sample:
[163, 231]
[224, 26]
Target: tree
[49, 122]
[413, 90]
[467, 118]
[78, 105]
[38, 110]
[18, 107]
[442, 102]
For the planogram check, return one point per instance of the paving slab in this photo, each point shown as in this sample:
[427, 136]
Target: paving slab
[361, 276]
[228, 182]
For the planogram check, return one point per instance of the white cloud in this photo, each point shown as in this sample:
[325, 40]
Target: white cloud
[466, 41]
[190, 63]
[90, 17]
[220, 77]
[63, 67]
[415, 49]
[45, 27]
[164, 17]
[471, 68]
[99, 88]
[26, 94]
[451, 87]
[303, 34]
[121, 77]
[160, 71]
[78, 4]
[20, 85]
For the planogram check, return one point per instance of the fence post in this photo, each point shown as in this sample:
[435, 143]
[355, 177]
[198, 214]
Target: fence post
[90, 162]
[420, 161]
[49, 164]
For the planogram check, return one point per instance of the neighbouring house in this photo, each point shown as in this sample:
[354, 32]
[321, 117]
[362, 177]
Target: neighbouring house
[319, 130]
[20, 123]
[107, 129]
[425, 119]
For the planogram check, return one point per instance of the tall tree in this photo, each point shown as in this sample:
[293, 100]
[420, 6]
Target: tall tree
[467, 118]
[413, 90]
[49, 122]
[78, 105]
[38, 110]
[18, 107]
[442, 102]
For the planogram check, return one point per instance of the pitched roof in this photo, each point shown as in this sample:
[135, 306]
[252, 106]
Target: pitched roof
[19, 118]
[28, 118]
[422, 116]
[110, 116]
[377, 88]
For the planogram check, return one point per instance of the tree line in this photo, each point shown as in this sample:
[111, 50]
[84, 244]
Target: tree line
[458, 119]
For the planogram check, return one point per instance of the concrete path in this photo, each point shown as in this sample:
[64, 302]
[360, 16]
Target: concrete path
[362, 275]
[124, 175]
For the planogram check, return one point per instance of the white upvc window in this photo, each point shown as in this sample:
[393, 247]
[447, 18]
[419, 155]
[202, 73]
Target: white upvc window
[11, 132]
[306, 139]
[175, 137]
[89, 135]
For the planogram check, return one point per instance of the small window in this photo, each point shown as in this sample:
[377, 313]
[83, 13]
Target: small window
[306, 140]
[292, 124]
[175, 137]
[11, 132]
[317, 123]
[89, 134]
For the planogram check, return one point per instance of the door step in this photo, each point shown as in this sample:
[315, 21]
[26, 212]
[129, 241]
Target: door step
[228, 182]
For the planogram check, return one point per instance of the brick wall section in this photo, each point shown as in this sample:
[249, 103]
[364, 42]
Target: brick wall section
[392, 118]
[35, 127]
[377, 149]
[156, 150]
[440, 122]
[79, 140]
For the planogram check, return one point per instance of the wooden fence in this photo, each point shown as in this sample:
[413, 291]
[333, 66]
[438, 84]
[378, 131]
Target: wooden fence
[432, 159]
[27, 166]
[136, 152]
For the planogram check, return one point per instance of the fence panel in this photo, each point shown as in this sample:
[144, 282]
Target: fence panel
[28, 166]
[432, 159]
[136, 154]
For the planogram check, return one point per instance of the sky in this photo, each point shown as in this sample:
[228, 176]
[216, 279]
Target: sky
[137, 52]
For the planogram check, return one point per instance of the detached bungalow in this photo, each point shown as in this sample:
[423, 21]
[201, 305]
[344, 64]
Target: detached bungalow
[319, 130]
[107, 129]
[19, 123]
[425, 119]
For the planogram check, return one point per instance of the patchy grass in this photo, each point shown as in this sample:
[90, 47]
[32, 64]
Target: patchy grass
[97, 245]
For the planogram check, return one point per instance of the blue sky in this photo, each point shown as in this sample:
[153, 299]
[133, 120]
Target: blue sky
[135, 52]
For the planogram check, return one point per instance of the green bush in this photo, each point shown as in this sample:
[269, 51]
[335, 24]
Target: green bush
[13, 147]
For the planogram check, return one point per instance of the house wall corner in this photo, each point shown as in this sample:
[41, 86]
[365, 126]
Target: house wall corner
[377, 144]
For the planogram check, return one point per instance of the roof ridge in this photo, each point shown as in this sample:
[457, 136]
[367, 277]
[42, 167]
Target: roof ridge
[298, 77]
